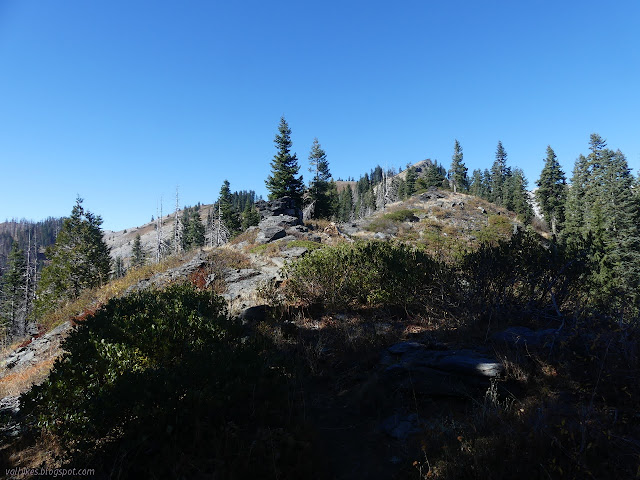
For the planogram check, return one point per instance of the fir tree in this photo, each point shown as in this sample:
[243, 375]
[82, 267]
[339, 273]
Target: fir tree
[410, 179]
[13, 314]
[250, 216]
[229, 216]
[78, 260]
[138, 255]
[284, 168]
[458, 171]
[498, 175]
[194, 232]
[517, 195]
[318, 189]
[551, 194]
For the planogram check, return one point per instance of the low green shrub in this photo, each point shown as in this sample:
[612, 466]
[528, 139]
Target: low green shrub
[404, 215]
[366, 274]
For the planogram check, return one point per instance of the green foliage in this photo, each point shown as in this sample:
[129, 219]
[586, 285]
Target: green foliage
[516, 195]
[230, 217]
[250, 217]
[499, 174]
[319, 187]
[551, 194]
[284, 168]
[138, 255]
[458, 170]
[78, 260]
[498, 228]
[410, 179]
[12, 290]
[160, 368]
[405, 215]
[521, 275]
[603, 218]
[367, 274]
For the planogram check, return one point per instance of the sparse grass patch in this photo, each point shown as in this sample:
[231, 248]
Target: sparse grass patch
[383, 225]
[272, 249]
[309, 245]
[229, 258]
[403, 215]
[248, 236]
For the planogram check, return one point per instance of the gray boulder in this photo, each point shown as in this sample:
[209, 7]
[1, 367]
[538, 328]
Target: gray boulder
[414, 366]
[281, 206]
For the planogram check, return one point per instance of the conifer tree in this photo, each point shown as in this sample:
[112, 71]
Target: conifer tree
[551, 194]
[498, 175]
[250, 216]
[13, 314]
[284, 168]
[517, 196]
[410, 180]
[194, 232]
[603, 214]
[78, 260]
[138, 255]
[318, 189]
[458, 171]
[229, 216]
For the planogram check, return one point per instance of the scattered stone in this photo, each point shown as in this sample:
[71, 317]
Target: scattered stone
[281, 206]
[482, 209]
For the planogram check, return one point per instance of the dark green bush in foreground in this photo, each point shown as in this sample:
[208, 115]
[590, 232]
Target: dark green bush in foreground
[166, 375]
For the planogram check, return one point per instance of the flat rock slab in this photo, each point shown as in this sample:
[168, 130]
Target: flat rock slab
[415, 367]
[464, 361]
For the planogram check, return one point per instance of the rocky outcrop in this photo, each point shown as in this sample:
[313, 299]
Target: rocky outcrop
[277, 216]
[285, 206]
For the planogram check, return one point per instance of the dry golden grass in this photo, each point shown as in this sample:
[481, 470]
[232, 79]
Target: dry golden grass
[318, 225]
[19, 382]
[248, 236]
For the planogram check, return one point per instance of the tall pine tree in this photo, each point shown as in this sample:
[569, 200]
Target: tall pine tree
[284, 168]
[551, 194]
[499, 174]
[319, 187]
[458, 171]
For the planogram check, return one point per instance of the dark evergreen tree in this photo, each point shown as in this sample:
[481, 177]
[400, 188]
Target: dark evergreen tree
[603, 215]
[13, 312]
[345, 204]
[517, 195]
[498, 175]
[250, 216]
[434, 176]
[194, 231]
[138, 255]
[284, 168]
[410, 179]
[230, 217]
[551, 194]
[458, 171]
[78, 260]
[318, 189]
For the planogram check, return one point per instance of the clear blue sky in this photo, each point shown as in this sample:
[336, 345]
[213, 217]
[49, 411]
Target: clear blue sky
[120, 101]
